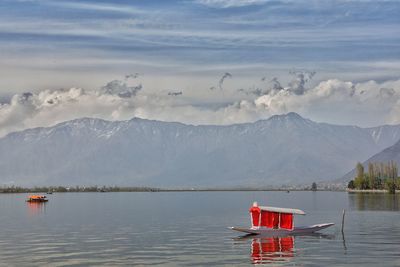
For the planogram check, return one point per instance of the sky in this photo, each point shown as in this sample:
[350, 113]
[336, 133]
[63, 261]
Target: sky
[199, 61]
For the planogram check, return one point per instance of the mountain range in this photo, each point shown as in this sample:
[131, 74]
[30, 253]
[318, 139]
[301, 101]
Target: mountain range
[284, 149]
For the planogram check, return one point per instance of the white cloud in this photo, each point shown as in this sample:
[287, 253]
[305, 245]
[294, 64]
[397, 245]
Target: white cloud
[230, 3]
[335, 101]
[98, 7]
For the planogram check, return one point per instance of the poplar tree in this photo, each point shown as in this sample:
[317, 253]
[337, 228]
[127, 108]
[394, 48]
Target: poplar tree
[359, 180]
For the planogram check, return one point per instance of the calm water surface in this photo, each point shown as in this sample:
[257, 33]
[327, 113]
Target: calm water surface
[181, 229]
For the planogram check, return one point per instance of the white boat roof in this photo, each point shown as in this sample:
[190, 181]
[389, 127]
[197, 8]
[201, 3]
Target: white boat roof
[282, 210]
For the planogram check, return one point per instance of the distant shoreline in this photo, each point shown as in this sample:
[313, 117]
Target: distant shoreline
[59, 189]
[375, 191]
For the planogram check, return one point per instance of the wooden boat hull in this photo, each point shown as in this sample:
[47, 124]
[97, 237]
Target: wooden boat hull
[37, 200]
[271, 232]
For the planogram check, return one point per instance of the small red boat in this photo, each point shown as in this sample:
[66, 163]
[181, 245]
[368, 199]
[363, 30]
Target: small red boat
[37, 198]
[277, 221]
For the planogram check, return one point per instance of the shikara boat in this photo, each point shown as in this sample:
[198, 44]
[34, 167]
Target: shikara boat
[277, 221]
[37, 199]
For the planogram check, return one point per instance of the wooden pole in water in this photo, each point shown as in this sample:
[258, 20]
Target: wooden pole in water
[344, 241]
[344, 213]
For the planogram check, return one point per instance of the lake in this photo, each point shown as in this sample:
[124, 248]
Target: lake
[190, 228]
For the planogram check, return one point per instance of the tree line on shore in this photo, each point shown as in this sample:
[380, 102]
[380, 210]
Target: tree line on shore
[378, 176]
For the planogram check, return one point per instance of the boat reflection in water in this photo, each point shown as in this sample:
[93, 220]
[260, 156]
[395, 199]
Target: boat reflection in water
[36, 208]
[266, 250]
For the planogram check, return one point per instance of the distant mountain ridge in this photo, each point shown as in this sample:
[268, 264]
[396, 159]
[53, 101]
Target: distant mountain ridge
[284, 149]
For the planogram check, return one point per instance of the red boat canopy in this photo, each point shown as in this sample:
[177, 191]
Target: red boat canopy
[36, 197]
[272, 217]
[283, 210]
